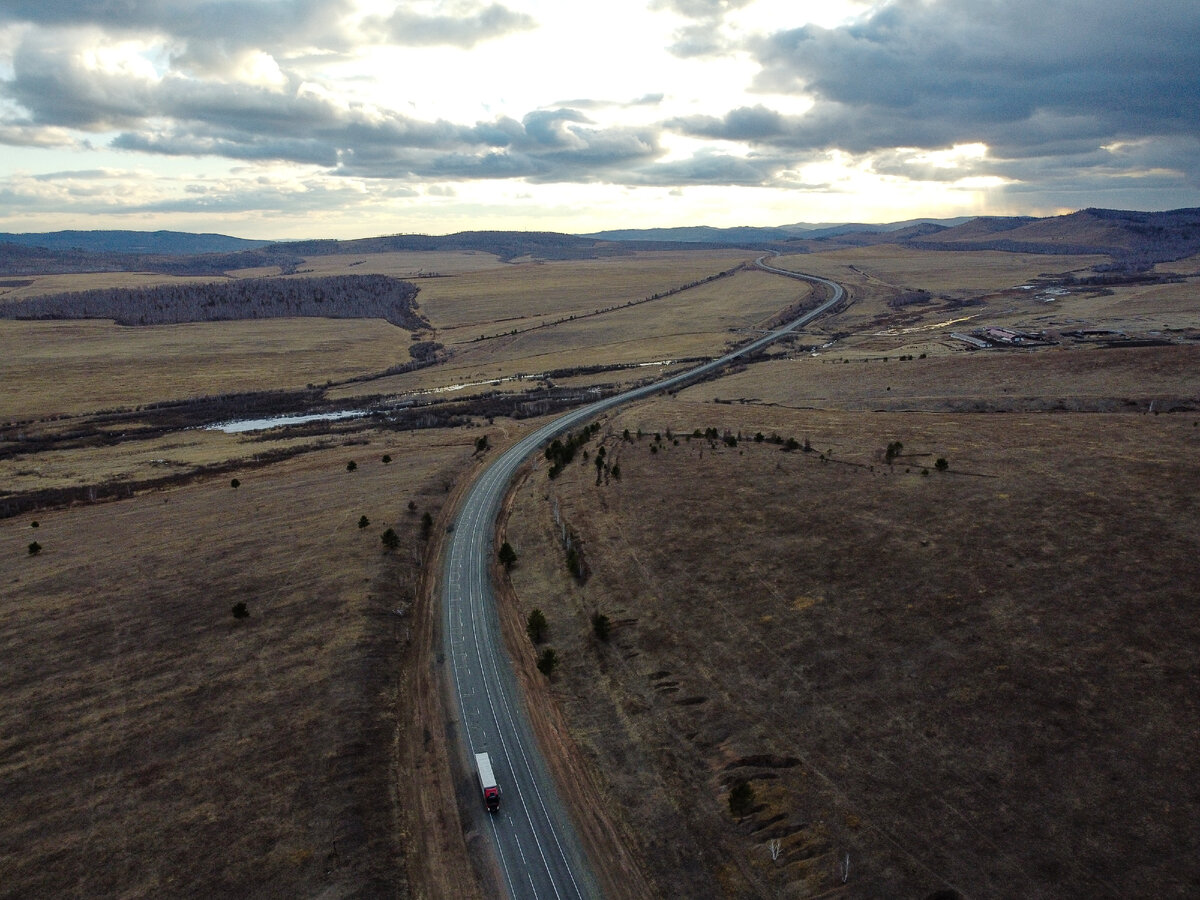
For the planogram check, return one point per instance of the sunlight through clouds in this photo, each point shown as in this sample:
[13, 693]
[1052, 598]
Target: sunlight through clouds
[782, 105]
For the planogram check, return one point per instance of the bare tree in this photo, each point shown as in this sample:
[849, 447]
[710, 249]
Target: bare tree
[774, 847]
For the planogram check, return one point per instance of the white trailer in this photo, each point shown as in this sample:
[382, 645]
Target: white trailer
[487, 782]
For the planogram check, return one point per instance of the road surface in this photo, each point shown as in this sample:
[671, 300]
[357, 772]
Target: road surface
[537, 851]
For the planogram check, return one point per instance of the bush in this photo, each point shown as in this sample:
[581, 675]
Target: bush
[235, 484]
[601, 626]
[741, 799]
[387, 458]
[941, 465]
[536, 626]
[351, 466]
[240, 611]
[507, 556]
[390, 539]
[35, 548]
[547, 662]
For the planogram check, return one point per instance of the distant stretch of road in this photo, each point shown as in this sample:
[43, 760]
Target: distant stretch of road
[537, 850]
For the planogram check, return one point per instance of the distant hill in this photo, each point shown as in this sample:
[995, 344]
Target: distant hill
[985, 228]
[16, 259]
[1134, 240]
[756, 236]
[166, 243]
[703, 234]
[507, 245]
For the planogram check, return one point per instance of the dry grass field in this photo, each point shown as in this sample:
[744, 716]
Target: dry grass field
[495, 300]
[983, 677]
[151, 744]
[937, 271]
[1085, 379]
[980, 680]
[701, 321]
[398, 264]
[72, 368]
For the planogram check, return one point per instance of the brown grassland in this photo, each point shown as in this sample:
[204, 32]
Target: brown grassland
[983, 678]
[154, 745]
[76, 367]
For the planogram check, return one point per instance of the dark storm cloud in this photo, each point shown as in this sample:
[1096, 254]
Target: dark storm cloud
[1078, 96]
[207, 34]
[254, 123]
[59, 90]
[752, 124]
[546, 146]
[703, 36]
[1016, 74]
[242, 147]
[191, 111]
[210, 33]
[181, 17]
[708, 168]
[465, 28]
[1100, 95]
[52, 84]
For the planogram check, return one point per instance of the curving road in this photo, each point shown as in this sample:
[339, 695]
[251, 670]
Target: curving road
[537, 851]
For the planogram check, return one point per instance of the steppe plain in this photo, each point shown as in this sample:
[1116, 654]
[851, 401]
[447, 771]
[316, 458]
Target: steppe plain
[979, 679]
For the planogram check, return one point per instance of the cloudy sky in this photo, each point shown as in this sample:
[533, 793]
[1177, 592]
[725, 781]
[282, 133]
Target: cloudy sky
[349, 118]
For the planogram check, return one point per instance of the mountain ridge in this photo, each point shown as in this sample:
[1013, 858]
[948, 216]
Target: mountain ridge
[1134, 240]
[167, 243]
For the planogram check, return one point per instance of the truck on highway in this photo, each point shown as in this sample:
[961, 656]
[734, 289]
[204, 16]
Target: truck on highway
[487, 781]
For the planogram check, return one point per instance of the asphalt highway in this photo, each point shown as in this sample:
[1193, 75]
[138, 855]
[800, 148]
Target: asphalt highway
[536, 848]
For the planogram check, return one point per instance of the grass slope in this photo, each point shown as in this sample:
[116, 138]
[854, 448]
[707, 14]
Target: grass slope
[983, 678]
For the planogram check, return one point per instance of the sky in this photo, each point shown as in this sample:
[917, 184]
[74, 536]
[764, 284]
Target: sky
[284, 119]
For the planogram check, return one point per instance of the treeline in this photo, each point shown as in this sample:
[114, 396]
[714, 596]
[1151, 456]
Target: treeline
[18, 259]
[507, 245]
[561, 453]
[334, 297]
